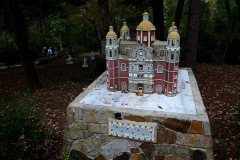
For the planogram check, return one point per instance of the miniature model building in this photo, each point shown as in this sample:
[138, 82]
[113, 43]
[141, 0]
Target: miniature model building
[146, 65]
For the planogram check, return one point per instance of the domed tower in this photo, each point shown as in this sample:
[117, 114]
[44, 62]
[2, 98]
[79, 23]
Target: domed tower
[111, 59]
[124, 32]
[146, 31]
[172, 62]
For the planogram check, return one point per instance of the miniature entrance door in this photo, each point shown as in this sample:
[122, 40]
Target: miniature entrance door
[140, 88]
[159, 89]
[124, 88]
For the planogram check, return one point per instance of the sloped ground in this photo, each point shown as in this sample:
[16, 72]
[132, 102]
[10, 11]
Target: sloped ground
[219, 86]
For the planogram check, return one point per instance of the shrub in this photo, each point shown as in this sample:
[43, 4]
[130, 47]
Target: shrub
[19, 127]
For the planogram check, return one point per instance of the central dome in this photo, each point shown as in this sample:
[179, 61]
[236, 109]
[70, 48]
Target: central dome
[145, 25]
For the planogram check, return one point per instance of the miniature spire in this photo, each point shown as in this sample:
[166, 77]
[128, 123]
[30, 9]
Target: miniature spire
[145, 16]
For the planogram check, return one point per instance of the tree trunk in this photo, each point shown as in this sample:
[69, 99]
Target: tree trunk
[105, 15]
[19, 29]
[178, 14]
[158, 19]
[228, 55]
[192, 33]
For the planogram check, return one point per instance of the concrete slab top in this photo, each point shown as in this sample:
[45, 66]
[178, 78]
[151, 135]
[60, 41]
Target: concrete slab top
[181, 103]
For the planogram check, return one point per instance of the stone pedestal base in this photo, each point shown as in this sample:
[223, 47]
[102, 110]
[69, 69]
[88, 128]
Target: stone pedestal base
[178, 136]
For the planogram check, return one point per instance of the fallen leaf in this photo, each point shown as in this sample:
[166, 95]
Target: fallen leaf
[109, 94]
[188, 82]
[184, 87]
[98, 79]
[160, 107]
[107, 102]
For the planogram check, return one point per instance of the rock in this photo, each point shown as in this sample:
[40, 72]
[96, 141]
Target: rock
[159, 120]
[197, 155]
[138, 118]
[177, 150]
[100, 157]
[138, 157]
[104, 139]
[177, 125]
[70, 116]
[165, 136]
[89, 115]
[80, 155]
[134, 143]
[79, 125]
[88, 145]
[160, 134]
[67, 143]
[103, 115]
[73, 133]
[173, 157]
[148, 149]
[114, 148]
[159, 157]
[194, 140]
[103, 128]
[135, 150]
[98, 128]
[123, 156]
[170, 137]
[207, 129]
[196, 127]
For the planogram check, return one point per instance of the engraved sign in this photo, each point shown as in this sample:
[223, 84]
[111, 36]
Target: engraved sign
[132, 130]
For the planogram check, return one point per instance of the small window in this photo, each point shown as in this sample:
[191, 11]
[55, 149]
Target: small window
[145, 38]
[172, 55]
[176, 67]
[140, 67]
[123, 67]
[132, 67]
[161, 52]
[110, 41]
[172, 42]
[148, 68]
[159, 69]
[152, 38]
[127, 51]
[110, 53]
[138, 38]
[175, 76]
[132, 85]
[175, 84]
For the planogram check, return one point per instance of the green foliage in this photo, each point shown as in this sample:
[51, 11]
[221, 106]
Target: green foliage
[65, 155]
[19, 127]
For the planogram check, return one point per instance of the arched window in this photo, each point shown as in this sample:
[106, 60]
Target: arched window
[172, 42]
[110, 41]
[145, 38]
[110, 53]
[172, 55]
[152, 38]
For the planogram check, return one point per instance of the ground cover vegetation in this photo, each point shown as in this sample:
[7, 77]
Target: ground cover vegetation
[210, 38]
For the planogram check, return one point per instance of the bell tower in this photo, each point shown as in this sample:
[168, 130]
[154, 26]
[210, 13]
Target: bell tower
[111, 59]
[172, 62]
[124, 32]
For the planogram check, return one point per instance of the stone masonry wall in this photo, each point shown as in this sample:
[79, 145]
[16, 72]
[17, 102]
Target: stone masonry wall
[177, 139]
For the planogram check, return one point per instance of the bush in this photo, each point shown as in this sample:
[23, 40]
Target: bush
[19, 127]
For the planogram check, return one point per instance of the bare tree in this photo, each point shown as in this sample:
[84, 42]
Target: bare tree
[105, 15]
[158, 19]
[192, 32]
[178, 14]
